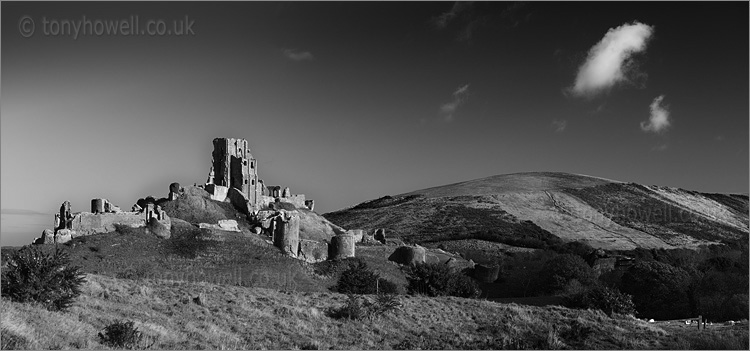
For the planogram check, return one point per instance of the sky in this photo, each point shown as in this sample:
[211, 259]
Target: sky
[347, 102]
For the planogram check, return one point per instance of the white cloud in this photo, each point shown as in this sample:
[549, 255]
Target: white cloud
[659, 120]
[446, 17]
[609, 61]
[296, 55]
[459, 98]
[559, 125]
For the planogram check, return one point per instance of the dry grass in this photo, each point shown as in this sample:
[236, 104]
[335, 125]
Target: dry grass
[255, 318]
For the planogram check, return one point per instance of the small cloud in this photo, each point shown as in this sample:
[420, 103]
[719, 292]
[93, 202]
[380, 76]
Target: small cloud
[599, 108]
[609, 62]
[296, 55]
[459, 98]
[445, 18]
[719, 138]
[659, 120]
[659, 147]
[559, 125]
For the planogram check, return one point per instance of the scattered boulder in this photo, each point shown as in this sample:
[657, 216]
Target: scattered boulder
[229, 225]
[200, 300]
[312, 251]
[357, 233]
[47, 237]
[159, 229]
[239, 200]
[63, 236]
[408, 255]
[217, 192]
[380, 235]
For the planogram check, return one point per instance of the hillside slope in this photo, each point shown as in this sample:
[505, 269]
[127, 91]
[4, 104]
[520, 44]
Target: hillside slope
[534, 206]
[230, 317]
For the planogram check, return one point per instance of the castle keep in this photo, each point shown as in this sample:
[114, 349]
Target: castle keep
[233, 166]
[234, 175]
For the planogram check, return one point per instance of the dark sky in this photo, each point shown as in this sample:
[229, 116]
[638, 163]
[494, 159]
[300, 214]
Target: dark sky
[346, 102]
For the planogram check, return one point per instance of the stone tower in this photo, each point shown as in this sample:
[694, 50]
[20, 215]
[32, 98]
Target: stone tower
[235, 167]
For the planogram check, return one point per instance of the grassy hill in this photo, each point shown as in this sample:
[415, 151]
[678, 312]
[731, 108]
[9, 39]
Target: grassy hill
[527, 209]
[230, 317]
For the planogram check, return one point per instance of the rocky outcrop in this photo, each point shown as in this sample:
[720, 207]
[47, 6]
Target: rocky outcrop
[312, 251]
[227, 225]
[63, 236]
[159, 228]
[379, 235]
[239, 200]
[408, 255]
[486, 273]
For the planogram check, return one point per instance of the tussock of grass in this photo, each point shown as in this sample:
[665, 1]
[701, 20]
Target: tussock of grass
[250, 318]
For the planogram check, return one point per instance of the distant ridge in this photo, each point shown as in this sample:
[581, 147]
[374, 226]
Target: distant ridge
[601, 212]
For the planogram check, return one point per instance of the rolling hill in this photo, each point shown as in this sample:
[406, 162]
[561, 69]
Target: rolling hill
[537, 209]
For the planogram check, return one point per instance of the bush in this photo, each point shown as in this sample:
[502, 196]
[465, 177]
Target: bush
[122, 335]
[439, 279]
[561, 270]
[357, 307]
[358, 279]
[35, 276]
[602, 298]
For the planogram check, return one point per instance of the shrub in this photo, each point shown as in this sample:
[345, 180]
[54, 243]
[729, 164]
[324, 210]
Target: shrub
[358, 279]
[608, 300]
[121, 335]
[352, 309]
[559, 271]
[35, 276]
[438, 279]
[357, 307]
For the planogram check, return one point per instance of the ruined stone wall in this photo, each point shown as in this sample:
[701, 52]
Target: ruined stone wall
[86, 223]
[297, 200]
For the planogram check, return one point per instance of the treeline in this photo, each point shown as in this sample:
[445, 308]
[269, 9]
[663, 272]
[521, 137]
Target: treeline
[660, 284]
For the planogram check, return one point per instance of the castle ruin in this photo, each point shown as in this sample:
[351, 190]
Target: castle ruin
[234, 175]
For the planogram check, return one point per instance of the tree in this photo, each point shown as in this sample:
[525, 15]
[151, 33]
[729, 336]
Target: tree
[438, 279]
[561, 270]
[609, 300]
[659, 290]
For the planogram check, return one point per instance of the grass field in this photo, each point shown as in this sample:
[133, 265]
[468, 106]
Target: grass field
[231, 317]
